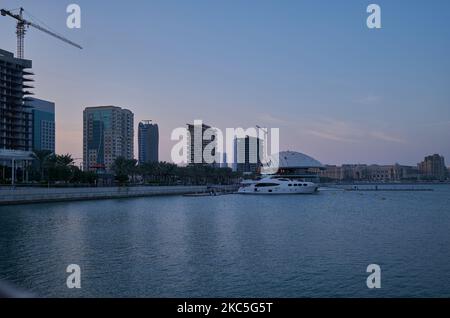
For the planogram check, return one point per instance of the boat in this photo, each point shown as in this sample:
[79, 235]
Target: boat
[277, 185]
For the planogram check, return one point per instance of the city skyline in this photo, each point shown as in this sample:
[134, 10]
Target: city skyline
[390, 104]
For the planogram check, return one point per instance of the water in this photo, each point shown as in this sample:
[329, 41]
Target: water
[233, 246]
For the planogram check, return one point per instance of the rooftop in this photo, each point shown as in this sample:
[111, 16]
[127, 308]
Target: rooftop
[291, 160]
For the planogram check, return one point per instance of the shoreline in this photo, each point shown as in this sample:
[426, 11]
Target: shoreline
[36, 195]
[351, 184]
[22, 196]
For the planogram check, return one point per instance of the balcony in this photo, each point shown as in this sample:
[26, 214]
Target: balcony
[26, 73]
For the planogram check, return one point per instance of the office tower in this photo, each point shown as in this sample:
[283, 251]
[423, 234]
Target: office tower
[108, 133]
[43, 115]
[15, 114]
[433, 167]
[224, 163]
[148, 142]
[197, 143]
[248, 153]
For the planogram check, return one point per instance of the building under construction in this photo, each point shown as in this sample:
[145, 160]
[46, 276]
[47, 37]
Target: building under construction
[16, 127]
[15, 114]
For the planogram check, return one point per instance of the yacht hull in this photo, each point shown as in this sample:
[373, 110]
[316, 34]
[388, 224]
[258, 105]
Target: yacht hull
[312, 191]
[280, 186]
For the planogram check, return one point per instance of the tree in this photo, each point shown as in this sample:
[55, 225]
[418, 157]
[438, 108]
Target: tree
[41, 157]
[60, 167]
[123, 168]
[82, 177]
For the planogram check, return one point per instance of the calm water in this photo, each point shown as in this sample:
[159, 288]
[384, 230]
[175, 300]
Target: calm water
[233, 246]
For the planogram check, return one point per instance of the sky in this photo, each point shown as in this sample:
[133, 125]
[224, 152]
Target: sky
[338, 91]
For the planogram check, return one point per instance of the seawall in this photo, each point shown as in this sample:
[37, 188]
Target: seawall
[10, 196]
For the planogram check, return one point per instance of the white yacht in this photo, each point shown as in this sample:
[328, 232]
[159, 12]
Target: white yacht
[277, 185]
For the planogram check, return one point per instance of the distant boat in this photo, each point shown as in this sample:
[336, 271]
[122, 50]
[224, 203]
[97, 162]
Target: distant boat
[277, 185]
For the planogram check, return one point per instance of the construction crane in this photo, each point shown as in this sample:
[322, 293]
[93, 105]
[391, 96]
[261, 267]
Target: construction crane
[264, 130]
[21, 29]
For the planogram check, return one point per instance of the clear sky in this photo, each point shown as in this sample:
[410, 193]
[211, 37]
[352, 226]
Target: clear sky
[338, 91]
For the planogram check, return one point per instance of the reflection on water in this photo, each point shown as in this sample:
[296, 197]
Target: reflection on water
[232, 246]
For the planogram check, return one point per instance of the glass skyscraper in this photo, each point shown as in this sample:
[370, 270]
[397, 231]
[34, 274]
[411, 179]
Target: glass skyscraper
[148, 140]
[43, 124]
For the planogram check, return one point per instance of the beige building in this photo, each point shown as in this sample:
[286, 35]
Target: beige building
[361, 172]
[108, 133]
[331, 172]
[433, 167]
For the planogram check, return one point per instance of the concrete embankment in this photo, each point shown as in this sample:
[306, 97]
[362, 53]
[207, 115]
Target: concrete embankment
[9, 196]
[379, 187]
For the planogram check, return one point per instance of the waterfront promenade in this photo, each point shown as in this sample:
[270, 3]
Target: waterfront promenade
[40, 195]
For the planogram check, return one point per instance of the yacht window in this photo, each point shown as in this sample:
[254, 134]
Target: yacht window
[260, 185]
[305, 185]
[290, 185]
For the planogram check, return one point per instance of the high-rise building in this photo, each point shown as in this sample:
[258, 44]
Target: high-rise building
[108, 133]
[198, 142]
[15, 114]
[224, 163]
[43, 124]
[248, 153]
[148, 142]
[433, 167]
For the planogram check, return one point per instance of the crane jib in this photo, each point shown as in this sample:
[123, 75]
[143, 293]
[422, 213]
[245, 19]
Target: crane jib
[21, 22]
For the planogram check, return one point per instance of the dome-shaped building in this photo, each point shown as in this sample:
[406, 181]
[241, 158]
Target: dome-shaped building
[291, 163]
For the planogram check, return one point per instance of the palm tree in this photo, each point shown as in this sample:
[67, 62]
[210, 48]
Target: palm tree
[65, 160]
[41, 157]
[60, 167]
[64, 166]
[123, 168]
[132, 169]
[147, 170]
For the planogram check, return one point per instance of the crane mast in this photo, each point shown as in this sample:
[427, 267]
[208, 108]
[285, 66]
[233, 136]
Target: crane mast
[20, 32]
[21, 28]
